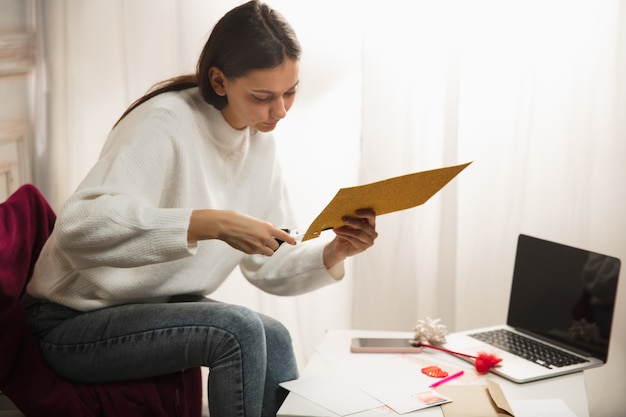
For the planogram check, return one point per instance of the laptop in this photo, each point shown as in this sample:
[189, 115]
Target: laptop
[562, 298]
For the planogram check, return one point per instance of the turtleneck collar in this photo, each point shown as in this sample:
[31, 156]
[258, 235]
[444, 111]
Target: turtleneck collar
[215, 126]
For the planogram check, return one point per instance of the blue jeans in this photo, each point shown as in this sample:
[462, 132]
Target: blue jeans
[248, 354]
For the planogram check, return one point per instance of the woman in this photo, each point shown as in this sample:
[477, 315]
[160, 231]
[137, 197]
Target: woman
[187, 188]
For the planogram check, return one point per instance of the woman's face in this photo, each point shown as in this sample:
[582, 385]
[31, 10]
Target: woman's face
[260, 98]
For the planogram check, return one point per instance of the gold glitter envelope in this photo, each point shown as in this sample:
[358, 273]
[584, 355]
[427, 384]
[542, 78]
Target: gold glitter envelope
[393, 194]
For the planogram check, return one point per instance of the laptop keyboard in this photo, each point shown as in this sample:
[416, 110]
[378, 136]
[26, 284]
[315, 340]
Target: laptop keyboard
[529, 349]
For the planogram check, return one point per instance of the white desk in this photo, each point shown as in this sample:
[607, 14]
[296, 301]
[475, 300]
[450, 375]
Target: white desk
[569, 388]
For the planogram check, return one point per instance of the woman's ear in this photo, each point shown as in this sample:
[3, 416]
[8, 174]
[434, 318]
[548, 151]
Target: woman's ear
[216, 78]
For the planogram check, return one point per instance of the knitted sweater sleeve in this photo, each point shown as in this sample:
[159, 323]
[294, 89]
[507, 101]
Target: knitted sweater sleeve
[292, 270]
[117, 217]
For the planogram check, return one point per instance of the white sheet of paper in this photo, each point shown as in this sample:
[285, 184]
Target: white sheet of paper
[541, 408]
[332, 393]
[400, 395]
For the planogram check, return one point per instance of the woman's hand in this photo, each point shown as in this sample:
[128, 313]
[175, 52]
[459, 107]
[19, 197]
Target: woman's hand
[245, 233]
[356, 235]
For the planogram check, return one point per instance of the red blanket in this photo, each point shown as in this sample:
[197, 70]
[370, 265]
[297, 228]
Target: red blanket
[27, 221]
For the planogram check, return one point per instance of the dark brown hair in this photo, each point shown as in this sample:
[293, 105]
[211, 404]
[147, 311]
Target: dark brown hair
[249, 37]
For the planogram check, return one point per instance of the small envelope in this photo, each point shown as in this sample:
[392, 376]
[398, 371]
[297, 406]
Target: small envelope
[475, 401]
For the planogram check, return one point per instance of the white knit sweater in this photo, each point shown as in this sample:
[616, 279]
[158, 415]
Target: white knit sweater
[122, 236]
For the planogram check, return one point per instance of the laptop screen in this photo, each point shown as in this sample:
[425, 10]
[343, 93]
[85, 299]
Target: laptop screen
[564, 294]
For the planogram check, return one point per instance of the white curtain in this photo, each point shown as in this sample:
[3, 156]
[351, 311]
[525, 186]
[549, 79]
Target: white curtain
[533, 92]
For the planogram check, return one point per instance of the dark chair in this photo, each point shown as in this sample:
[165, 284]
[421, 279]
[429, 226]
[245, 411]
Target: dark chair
[26, 221]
